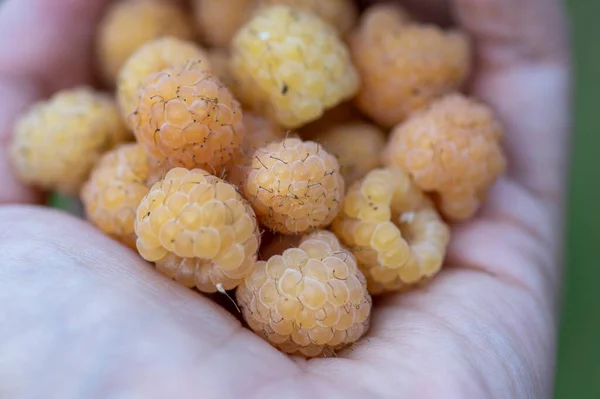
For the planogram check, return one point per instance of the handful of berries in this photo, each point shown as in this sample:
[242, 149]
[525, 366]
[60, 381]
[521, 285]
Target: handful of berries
[343, 136]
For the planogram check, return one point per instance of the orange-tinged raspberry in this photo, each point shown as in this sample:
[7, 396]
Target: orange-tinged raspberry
[404, 65]
[341, 14]
[357, 146]
[57, 142]
[291, 65]
[393, 230]
[152, 58]
[453, 149]
[129, 24]
[186, 117]
[308, 301]
[115, 189]
[294, 186]
[198, 230]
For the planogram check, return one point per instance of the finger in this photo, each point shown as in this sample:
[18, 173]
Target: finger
[110, 325]
[16, 95]
[523, 72]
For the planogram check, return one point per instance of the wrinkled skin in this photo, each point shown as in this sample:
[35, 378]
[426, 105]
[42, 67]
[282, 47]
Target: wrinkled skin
[82, 316]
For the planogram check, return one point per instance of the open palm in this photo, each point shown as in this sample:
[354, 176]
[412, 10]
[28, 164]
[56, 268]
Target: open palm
[82, 316]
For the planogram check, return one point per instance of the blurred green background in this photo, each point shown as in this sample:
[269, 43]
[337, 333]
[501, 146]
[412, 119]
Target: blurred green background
[579, 345]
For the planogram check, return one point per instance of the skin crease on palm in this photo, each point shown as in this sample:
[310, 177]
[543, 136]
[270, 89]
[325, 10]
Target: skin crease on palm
[83, 317]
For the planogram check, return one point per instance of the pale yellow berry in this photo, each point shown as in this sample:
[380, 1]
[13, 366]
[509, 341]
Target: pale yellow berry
[394, 231]
[311, 300]
[294, 186]
[291, 65]
[57, 142]
[198, 230]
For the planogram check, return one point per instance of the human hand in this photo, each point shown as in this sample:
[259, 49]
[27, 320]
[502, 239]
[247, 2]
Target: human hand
[83, 316]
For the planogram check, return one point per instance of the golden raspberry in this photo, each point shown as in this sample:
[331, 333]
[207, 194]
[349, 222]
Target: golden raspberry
[129, 24]
[291, 65]
[294, 186]
[115, 189]
[357, 146]
[393, 230]
[219, 20]
[341, 14]
[198, 230]
[57, 142]
[404, 65]
[186, 117]
[310, 300]
[453, 149]
[151, 58]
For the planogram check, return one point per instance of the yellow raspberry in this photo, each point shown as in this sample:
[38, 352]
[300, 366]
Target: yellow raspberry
[341, 14]
[198, 230]
[357, 146]
[186, 117]
[404, 65]
[152, 58]
[291, 65]
[308, 301]
[115, 189]
[393, 230]
[294, 186]
[129, 24]
[57, 142]
[219, 20]
[453, 149]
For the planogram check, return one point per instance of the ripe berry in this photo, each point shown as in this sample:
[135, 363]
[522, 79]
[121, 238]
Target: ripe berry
[129, 24]
[291, 65]
[57, 142]
[152, 58]
[186, 117]
[308, 301]
[452, 149]
[393, 230]
[294, 186]
[218, 21]
[198, 230]
[115, 189]
[404, 65]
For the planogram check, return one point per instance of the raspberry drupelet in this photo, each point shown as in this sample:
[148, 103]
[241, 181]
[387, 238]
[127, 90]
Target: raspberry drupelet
[309, 301]
[452, 149]
[152, 58]
[128, 24]
[294, 186]
[57, 141]
[291, 65]
[404, 65]
[115, 189]
[357, 146]
[186, 117]
[198, 230]
[394, 231]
